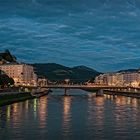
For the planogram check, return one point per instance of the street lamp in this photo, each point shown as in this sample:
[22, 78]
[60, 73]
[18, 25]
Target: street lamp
[67, 81]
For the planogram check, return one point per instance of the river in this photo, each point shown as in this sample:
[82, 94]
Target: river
[80, 116]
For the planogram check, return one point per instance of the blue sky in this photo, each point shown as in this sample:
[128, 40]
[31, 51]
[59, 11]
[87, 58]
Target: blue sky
[101, 34]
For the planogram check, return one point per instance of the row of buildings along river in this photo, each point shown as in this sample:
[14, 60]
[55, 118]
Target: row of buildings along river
[120, 79]
[22, 74]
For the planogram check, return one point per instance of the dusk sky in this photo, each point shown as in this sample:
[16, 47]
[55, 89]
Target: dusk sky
[101, 34]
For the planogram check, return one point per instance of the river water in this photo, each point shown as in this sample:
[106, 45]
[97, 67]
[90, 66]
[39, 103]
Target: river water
[81, 116]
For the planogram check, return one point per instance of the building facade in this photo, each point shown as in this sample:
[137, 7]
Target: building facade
[131, 77]
[22, 74]
[101, 79]
[42, 81]
[119, 79]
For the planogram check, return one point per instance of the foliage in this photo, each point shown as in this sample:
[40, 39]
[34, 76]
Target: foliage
[5, 80]
[56, 72]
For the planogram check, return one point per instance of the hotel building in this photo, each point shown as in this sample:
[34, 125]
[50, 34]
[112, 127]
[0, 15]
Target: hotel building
[42, 81]
[22, 74]
[131, 77]
[119, 79]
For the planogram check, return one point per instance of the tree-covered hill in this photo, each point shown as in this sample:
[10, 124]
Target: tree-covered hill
[57, 72]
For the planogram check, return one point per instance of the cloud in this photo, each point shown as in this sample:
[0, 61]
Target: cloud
[72, 32]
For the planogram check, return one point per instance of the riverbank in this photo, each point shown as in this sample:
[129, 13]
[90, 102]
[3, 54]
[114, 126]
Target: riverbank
[132, 94]
[6, 99]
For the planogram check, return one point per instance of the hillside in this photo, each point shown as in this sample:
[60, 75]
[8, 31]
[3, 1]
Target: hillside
[7, 56]
[56, 72]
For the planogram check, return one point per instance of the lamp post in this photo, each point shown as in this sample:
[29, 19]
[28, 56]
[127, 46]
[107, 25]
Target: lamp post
[67, 81]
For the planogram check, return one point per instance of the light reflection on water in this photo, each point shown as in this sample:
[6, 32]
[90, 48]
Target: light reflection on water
[42, 113]
[82, 116]
[66, 117]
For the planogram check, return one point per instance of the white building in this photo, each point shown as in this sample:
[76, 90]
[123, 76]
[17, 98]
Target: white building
[22, 74]
[42, 81]
[101, 79]
[131, 77]
[119, 79]
[111, 79]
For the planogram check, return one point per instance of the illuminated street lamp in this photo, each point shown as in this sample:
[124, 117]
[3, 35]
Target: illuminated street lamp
[67, 81]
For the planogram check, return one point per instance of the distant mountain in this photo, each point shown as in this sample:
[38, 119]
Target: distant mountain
[56, 72]
[128, 70]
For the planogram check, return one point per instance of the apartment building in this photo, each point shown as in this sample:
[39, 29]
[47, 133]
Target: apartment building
[22, 74]
[119, 79]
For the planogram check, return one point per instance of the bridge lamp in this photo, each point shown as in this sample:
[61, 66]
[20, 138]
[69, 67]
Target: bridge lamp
[67, 81]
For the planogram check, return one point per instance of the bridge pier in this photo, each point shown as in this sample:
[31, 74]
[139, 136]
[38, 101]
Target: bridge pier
[100, 92]
[66, 92]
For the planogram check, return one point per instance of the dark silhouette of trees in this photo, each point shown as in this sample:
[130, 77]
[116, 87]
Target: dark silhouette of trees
[6, 81]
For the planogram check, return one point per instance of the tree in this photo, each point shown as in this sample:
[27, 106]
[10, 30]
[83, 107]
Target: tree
[5, 80]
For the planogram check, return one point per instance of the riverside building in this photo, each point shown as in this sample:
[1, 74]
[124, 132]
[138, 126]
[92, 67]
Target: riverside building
[22, 74]
[130, 77]
[119, 79]
[101, 79]
[42, 81]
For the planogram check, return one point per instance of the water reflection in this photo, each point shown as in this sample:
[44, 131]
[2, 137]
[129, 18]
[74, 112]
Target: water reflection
[8, 113]
[122, 100]
[16, 112]
[135, 102]
[100, 112]
[72, 117]
[95, 115]
[126, 112]
[15, 108]
[35, 108]
[42, 112]
[13, 112]
[66, 116]
[27, 105]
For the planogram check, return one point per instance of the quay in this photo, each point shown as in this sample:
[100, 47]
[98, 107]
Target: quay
[127, 93]
[9, 97]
